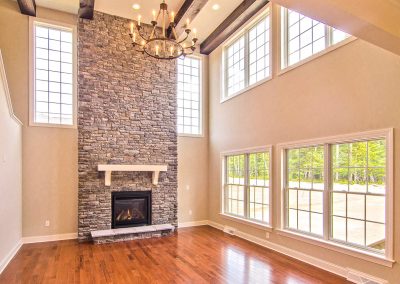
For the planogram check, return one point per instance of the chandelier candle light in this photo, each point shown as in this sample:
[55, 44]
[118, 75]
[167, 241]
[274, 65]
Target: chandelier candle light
[158, 44]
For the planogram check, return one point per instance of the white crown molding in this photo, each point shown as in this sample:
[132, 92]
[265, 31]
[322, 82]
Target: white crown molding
[7, 90]
[10, 256]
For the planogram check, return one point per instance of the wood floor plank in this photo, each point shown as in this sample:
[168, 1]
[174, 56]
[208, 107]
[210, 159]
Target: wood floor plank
[192, 255]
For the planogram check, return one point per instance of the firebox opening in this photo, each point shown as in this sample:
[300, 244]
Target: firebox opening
[131, 208]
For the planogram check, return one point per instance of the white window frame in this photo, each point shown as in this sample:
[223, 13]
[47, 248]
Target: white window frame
[61, 26]
[244, 32]
[239, 219]
[283, 45]
[382, 259]
[201, 99]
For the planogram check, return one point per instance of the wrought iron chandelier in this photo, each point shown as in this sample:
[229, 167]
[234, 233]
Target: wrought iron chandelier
[158, 44]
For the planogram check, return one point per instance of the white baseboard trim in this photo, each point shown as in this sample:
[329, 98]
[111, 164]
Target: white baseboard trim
[10, 256]
[317, 262]
[49, 238]
[193, 224]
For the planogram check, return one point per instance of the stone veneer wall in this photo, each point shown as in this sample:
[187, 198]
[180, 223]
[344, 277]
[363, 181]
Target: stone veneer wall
[126, 115]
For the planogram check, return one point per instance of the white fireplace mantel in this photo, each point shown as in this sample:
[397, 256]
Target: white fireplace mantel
[108, 169]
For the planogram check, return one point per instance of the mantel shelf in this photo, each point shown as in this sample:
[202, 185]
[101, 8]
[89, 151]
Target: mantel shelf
[108, 169]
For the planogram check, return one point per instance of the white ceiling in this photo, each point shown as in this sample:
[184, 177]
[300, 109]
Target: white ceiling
[123, 8]
[208, 19]
[205, 22]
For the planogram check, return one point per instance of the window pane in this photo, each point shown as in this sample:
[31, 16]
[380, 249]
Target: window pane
[375, 236]
[305, 37]
[356, 232]
[48, 49]
[339, 204]
[188, 95]
[339, 228]
[338, 36]
[375, 208]
[317, 222]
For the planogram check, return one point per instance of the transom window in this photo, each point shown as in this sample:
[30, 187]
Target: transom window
[356, 187]
[53, 75]
[247, 58]
[247, 185]
[302, 37]
[189, 96]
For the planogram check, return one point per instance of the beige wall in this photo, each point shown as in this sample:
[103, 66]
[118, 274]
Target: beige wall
[10, 177]
[193, 166]
[353, 88]
[50, 178]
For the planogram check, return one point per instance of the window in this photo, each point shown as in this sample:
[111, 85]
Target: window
[356, 191]
[305, 184]
[189, 96]
[303, 37]
[247, 58]
[53, 77]
[247, 185]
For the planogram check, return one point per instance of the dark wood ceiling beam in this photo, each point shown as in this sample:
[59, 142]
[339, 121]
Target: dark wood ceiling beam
[243, 13]
[27, 7]
[188, 10]
[86, 9]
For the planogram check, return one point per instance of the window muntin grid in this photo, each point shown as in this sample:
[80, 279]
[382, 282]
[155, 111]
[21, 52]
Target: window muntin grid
[53, 75]
[247, 186]
[188, 92]
[304, 189]
[235, 74]
[303, 37]
[259, 51]
[358, 193]
[259, 186]
[235, 184]
[355, 191]
[247, 59]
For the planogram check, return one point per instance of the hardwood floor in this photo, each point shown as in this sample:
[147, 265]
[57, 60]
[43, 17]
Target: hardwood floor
[193, 255]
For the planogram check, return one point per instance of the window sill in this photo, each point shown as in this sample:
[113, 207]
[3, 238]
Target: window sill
[34, 124]
[314, 56]
[247, 222]
[224, 99]
[368, 256]
[191, 135]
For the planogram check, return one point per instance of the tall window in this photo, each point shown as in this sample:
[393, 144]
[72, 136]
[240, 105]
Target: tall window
[247, 186]
[247, 58]
[302, 37]
[53, 75]
[189, 96]
[358, 193]
[356, 188]
[305, 184]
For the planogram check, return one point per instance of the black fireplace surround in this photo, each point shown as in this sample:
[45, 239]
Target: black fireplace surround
[130, 209]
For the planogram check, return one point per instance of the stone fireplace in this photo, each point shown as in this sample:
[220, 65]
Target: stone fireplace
[126, 116]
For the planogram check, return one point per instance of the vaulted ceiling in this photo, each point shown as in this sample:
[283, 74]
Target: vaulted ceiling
[374, 21]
